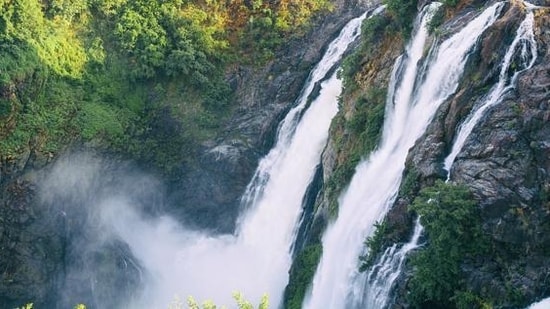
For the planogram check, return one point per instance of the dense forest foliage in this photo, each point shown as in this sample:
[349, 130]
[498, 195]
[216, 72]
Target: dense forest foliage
[144, 78]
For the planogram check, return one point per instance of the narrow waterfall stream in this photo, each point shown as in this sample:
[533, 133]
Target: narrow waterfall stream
[374, 186]
[257, 258]
[381, 276]
[522, 53]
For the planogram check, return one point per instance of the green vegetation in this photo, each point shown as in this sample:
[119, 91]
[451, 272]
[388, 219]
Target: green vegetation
[142, 78]
[301, 275]
[452, 224]
[363, 131]
[437, 20]
[403, 13]
[171, 38]
[193, 304]
[374, 243]
[269, 23]
[373, 30]
[239, 299]
[31, 306]
[409, 184]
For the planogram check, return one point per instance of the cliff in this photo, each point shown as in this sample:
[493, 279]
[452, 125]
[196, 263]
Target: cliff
[504, 163]
[209, 192]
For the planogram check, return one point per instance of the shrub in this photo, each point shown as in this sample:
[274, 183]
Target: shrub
[452, 223]
[374, 244]
[301, 274]
[403, 13]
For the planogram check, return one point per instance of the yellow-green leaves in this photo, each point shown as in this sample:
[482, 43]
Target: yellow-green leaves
[242, 303]
[54, 39]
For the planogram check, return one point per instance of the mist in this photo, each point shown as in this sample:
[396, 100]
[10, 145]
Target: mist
[123, 253]
[83, 192]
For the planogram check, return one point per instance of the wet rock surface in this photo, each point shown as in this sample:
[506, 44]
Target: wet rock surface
[53, 252]
[505, 162]
[30, 248]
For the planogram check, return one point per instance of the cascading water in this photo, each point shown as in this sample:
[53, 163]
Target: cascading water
[382, 275]
[374, 186]
[256, 260]
[523, 47]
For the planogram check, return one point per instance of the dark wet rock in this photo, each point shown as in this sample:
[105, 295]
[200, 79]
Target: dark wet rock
[51, 250]
[31, 247]
[506, 163]
[208, 194]
[211, 195]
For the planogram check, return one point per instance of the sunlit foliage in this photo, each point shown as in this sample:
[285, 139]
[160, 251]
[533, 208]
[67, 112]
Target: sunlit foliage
[109, 71]
[241, 302]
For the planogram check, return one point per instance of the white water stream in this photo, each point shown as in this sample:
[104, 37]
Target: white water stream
[374, 186]
[256, 260]
[381, 276]
[523, 47]
[543, 304]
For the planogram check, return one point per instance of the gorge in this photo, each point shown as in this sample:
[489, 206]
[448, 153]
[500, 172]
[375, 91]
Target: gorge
[386, 135]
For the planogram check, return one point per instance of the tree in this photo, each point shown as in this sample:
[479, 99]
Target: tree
[452, 223]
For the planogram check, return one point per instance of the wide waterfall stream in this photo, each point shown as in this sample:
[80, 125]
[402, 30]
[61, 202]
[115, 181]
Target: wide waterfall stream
[374, 185]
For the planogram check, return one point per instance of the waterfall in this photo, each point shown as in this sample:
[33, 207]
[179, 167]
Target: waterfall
[522, 49]
[255, 260]
[381, 276]
[375, 183]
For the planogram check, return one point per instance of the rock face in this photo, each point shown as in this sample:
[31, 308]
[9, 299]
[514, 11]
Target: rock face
[210, 192]
[52, 252]
[31, 247]
[505, 162]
